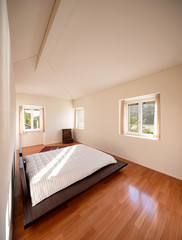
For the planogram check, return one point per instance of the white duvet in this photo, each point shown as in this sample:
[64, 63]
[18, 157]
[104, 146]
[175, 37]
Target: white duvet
[51, 171]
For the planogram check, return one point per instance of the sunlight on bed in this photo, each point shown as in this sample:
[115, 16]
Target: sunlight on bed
[56, 171]
[50, 165]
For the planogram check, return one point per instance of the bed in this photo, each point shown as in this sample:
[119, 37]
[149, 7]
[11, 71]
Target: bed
[50, 179]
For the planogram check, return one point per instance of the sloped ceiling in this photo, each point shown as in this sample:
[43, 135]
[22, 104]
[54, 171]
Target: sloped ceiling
[73, 48]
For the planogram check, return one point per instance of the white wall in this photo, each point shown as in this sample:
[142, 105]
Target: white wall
[7, 126]
[102, 122]
[58, 115]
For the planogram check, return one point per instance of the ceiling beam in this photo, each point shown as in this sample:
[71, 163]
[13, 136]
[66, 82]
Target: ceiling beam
[60, 15]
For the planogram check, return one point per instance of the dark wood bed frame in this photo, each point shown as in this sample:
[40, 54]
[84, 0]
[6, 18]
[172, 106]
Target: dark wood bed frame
[47, 206]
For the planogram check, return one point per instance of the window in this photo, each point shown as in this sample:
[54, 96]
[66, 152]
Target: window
[140, 116]
[79, 118]
[32, 118]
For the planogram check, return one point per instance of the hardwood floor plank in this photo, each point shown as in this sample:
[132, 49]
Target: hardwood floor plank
[135, 203]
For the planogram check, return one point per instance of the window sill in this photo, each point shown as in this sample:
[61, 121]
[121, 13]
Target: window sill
[139, 136]
[31, 131]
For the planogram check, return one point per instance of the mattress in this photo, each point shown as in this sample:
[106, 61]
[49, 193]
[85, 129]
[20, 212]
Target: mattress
[52, 171]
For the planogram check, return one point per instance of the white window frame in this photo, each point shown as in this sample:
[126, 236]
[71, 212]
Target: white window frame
[32, 108]
[140, 113]
[124, 121]
[76, 118]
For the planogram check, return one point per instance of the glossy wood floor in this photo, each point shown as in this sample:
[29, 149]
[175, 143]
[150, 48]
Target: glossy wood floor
[135, 203]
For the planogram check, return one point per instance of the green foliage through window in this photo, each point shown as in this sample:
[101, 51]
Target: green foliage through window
[147, 121]
[148, 111]
[133, 117]
[32, 116]
[133, 123]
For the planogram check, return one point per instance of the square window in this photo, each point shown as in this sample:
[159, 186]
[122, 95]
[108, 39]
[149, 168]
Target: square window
[32, 118]
[140, 116]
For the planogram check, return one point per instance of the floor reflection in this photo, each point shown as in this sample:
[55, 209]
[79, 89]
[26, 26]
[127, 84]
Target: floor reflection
[141, 199]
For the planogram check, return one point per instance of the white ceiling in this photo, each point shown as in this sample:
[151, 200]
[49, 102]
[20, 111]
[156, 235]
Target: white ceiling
[73, 48]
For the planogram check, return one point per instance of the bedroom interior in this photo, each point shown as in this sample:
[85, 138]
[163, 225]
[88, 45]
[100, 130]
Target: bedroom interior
[111, 71]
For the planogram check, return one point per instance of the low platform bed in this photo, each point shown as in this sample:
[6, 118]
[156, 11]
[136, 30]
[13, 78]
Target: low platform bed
[50, 204]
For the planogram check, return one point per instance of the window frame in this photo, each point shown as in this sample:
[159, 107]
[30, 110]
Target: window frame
[76, 118]
[32, 108]
[140, 116]
[123, 116]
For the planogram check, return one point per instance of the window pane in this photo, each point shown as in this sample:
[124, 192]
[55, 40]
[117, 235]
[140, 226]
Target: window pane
[36, 119]
[148, 111]
[27, 118]
[80, 118]
[133, 117]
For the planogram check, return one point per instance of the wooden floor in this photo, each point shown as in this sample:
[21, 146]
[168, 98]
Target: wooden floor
[135, 203]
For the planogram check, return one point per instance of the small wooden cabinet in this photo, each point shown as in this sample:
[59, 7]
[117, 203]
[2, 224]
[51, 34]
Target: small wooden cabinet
[67, 136]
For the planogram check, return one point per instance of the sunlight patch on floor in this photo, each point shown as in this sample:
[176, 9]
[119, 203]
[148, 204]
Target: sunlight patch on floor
[142, 199]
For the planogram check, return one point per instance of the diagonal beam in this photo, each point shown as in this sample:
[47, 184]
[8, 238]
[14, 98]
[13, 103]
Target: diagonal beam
[60, 15]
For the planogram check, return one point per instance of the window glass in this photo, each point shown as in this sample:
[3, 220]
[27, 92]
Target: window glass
[80, 118]
[27, 118]
[36, 118]
[140, 116]
[133, 117]
[32, 118]
[148, 111]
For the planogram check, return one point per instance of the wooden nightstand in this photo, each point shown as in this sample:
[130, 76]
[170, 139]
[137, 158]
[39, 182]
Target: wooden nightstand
[67, 136]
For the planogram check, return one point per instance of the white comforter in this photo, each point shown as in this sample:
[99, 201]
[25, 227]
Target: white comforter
[51, 171]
